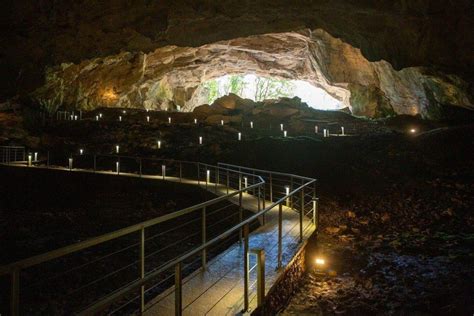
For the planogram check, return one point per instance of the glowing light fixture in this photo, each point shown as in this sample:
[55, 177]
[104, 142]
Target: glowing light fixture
[163, 171]
[124, 111]
[287, 192]
[208, 176]
[29, 160]
[117, 167]
[284, 133]
[36, 156]
[239, 136]
[169, 120]
[320, 261]
[70, 164]
[96, 117]
[158, 143]
[117, 149]
[281, 127]
[100, 115]
[200, 140]
[148, 119]
[251, 124]
[75, 117]
[316, 129]
[342, 130]
[222, 122]
[413, 131]
[120, 119]
[195, 121]
[81, 151]
[245, 182]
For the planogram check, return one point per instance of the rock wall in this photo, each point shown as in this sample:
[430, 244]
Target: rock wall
[170, 76]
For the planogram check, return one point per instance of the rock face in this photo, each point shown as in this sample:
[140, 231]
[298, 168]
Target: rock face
[171, 76]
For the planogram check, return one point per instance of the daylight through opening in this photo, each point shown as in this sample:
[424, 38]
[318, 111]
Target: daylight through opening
[259, 88]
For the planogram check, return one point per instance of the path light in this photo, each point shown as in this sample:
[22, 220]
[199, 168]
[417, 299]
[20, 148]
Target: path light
[29, 159]
[70, 164]
[342, 130]
[100, 115]
[148, 119]
[120, 119]
[36, 156]
[75, 117]
[159, 144]
[96, 117]
[413, 131]
[251, 124]
[124, 111]
[195, 121]
[200, 140]
[316, 129]
[146, 110]
[117, 149]
[284, 133]
[81, 151]
[239, 136]
[163, 171]
[245, 182]
[169, 120]
[117, 167]
[325, 133]
[208, 176]
[320, 261]
[281, 127]
[222, 122]
[287, 192]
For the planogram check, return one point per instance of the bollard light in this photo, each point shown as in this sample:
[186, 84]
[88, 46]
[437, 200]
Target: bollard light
[117, 149]
[316, 129]
[284, 133]
[169, 120]
[96, 117]
[163, 171]
[159, 144]
[81, 151]
[148, 119]
[222, 122]
[36, 156]
[251, 124]
[208, 176]
[245, 182]
[287, 192]
[117, 167]
[195, 121]
[200, 140]
[120, 119]
[29, 160]
[124, 111]
[75, 117]
[100, 115]
[71, 117]
[281, 127]
[320, 261]
[342, 130]
[239, 136]
[70, 164]
[146, 110]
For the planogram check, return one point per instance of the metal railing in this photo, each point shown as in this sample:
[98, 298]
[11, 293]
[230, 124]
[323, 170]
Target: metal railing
[230, 180]
[12, 154]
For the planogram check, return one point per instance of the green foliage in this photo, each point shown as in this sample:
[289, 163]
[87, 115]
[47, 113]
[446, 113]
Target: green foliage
[262, 88]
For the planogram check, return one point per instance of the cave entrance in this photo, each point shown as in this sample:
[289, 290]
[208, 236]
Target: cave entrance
[259, 88]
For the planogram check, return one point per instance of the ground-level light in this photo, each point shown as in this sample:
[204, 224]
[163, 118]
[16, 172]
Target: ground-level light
[117, 149]
[413, 131]
[29, 160]
[96, 117]
[100, 115]
[287, 192]
[124, 111]
[281, 127]
[120, 119]
[251, 124]
[222, 122]
[36, 156]
[70, 164]
[81, 151]
[163, 171]
[239, 136]
[208, 176]
[316, 129]
[75, 117]
[117, 167]
[169, 120]
[319, 261]
[148, 119]
[158, 143]
[245, 182]
[342, 130]
[284, 133]
[200, 140]
[195, 121]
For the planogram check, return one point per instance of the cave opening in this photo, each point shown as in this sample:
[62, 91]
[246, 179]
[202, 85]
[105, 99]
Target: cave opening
[260, 88]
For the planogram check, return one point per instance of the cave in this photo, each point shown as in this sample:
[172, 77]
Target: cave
[261, 157]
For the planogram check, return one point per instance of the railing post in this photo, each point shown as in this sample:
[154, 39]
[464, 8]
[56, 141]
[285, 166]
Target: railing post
[95, 163]
[142, 269]
[140, 166]
[260, 275]
[15, 293]
[246, 267]
[227, 183]
[280, 234]
[47, 160]
[203, 238]
[240, 215]
[178, 290]
[271, 188]
[315, 214]
[180, 172]
[301, 214]
[217, 179]
[291, 190]
[198, 175]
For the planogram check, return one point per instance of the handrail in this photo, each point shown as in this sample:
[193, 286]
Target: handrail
[50, 255]
[136, 284]
[258, 182]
